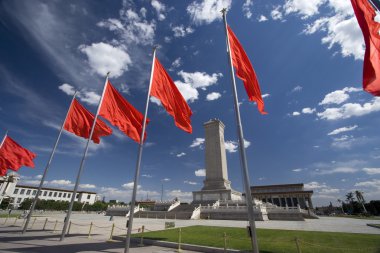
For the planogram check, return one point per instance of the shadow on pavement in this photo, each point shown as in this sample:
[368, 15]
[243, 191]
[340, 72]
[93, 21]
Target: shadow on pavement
[73, 247]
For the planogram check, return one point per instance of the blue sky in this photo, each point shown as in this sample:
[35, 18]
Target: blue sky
[322, 129]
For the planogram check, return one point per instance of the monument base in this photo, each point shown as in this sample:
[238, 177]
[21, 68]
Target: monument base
[214, 195]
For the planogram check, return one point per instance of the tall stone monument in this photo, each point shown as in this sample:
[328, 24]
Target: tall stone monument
[216, 185]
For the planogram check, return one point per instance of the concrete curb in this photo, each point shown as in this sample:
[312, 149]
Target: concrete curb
[184, 246]
[374, 225]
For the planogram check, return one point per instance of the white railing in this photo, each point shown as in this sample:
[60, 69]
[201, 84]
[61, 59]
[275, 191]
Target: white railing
[196, 215]
[174, 205]
[137, 208]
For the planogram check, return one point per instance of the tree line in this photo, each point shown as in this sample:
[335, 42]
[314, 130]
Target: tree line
[356, 204]
[53, 205]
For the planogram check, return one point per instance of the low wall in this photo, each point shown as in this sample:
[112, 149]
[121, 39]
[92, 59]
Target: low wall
[285, 216]
[163, 215]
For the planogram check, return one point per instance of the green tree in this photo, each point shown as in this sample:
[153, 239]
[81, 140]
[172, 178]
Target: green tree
[360, 198]
[350, 199]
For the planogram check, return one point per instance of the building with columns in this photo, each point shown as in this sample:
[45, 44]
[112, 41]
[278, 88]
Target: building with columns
[283, 195]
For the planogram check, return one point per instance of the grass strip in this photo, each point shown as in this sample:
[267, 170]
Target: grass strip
[271, 240]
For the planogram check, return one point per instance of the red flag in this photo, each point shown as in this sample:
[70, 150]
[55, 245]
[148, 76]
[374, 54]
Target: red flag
[167, 92]
[116, 109]
[245, 71]
[365, 14]
[13, 156]
[79, 122]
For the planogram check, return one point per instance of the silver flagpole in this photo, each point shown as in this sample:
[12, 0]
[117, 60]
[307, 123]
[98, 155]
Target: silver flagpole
[5, 136]
[46, 169]
[138, 163]
[82, 163]
[243, 157]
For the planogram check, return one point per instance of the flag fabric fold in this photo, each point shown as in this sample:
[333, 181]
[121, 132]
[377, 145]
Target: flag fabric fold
[79, 122]
[116, 109]
[245, 71]
[13, 156]
[164, 89]
[366, 15]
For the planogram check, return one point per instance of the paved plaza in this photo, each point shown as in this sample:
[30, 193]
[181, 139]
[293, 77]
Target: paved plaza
[37, 240]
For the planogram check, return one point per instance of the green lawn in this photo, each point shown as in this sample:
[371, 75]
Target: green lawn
[272, 241]
[4, 215]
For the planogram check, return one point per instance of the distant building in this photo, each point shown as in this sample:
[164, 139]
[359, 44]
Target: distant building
[283, 195]
[18, 193]
[23, 192]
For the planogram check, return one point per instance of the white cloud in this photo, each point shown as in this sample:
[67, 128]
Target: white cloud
[342, 130]
[67, 88]
[341, 27]
[213, 96]
[296, 114]
[266, 95]
[200, 173]
[308, 110]
[338, 96]
[322, 190]
[247, 8]
[165, 179]
[181, 154]
[372, 171]
[247, 143]
[198, 142]
[61, 182]
[184, 196]
[337, 170]
[181, 31]
[305, 8]
[87, 186]
[190, 182]
[350, 110]
[129, 186]
[167, 39]
[375, 183]
[207, 11]
[194, 81]
[200, 80]
[276, 13]
[231, 146]
[177, 63]
[125, 89]
[131, 28]
[262, 18]
[189, 93]
[89, 97]
[298, 88]
[104, 57]
[160, 8]
[297, 170]
[146, 175]
[315, 185]
[344, 142]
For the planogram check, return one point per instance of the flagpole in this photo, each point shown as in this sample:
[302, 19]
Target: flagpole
[243, 157]
[5, 136]
[138, 163]
[82, 163]
[46, 169]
